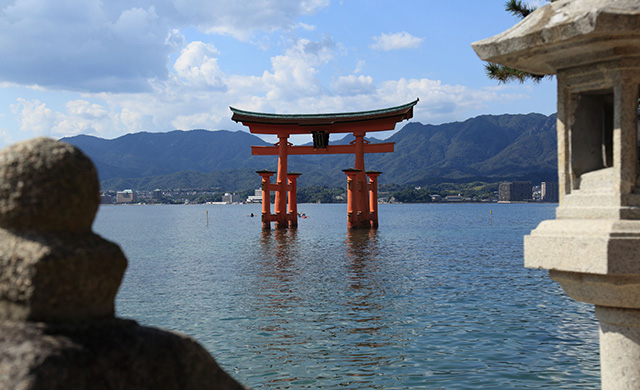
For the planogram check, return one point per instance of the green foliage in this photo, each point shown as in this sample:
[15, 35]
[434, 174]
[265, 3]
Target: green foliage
[227, 180]
[322, 194]
[505, 74]
[518, 8]
[412, 195]
[204, 198]
[487, 148]
[156, 154]
[475, 190]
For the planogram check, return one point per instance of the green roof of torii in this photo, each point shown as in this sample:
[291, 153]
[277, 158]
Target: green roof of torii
[404, 111]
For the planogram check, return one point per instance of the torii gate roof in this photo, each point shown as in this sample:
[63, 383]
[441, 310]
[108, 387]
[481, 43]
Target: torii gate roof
[344, 122]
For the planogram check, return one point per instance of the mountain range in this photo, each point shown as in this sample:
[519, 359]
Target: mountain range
[488, 148]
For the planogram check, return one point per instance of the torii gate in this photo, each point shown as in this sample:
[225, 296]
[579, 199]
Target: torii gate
[362, 194]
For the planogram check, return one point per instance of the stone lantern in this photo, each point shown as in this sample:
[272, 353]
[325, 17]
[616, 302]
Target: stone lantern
[592, 248]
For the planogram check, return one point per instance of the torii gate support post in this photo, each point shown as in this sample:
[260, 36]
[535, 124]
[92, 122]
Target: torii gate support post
[320, 126]
[282, 183]
[362, 193]
[266, 197]
[352, 199]
[373, 197]
[293, 198]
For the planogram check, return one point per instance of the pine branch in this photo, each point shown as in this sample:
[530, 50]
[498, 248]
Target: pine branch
[505, 74]
[517, 8]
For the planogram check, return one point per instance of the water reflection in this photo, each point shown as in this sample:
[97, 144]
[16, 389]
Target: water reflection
[275, 285]
[444, 303]
[365, 304]
[276, 292]
[279, 250]
[365, 293]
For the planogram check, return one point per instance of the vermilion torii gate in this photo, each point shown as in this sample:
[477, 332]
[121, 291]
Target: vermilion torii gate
[362, 193]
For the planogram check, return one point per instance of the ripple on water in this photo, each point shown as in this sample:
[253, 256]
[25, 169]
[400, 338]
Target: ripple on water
[437, 298]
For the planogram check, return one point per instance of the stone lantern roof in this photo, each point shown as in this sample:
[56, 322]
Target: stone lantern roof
[566, 33]
[592, 248]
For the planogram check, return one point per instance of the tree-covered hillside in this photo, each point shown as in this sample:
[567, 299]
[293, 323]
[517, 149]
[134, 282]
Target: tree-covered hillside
[487, 148]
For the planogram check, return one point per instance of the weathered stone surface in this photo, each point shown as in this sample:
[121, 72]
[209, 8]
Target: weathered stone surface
[592, 248]
[46, 185]
[111, 355]
[619, 347]
[63, 277]
[53, 267]
[560, 34]
[622, 291]
[58, 282]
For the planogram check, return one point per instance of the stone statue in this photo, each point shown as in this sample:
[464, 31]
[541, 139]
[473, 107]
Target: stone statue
[58, 282]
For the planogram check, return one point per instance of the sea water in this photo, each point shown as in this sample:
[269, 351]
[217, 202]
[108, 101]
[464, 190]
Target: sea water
[436, 298]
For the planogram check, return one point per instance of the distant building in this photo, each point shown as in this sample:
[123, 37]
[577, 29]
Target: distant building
[106, 199]
[549, 191]
[516, 191]
[536, 195]
[256, 197]
[231, 198]
[126, 196]
[436, 198]
[453, 198]
[156, 194]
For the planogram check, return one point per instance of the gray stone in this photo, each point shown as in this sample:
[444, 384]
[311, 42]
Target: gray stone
[46, 185]
[619, 347]
[58, 282]
[111, 355]
[54, 268]
[64, 277]
[566, 33]
[592, 248]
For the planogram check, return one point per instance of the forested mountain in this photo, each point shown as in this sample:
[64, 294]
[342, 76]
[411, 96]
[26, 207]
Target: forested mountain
[487, 148]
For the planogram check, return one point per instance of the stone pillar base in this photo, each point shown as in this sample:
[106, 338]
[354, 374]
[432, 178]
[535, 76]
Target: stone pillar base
[619, 347]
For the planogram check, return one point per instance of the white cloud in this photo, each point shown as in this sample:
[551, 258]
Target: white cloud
[241, 18]
[85, 109]
[200, 120]
[197, 94]
[137, 25]
[198, 65]
[81, 117]
[396, 41]
[35, 117]
[353, 85]
[293, 74]
[306, 27]
[132, 121]
[81, 45]
[116, 46]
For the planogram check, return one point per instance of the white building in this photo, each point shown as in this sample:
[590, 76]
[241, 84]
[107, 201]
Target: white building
[256, 197]
[231, 198]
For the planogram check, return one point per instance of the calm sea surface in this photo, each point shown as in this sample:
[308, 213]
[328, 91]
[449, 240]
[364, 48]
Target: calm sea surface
[437, 298]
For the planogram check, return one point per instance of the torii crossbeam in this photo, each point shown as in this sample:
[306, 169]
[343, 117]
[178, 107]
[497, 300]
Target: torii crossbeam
[362, 186]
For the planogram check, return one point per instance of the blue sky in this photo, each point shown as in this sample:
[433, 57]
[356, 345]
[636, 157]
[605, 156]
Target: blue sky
[112, 67]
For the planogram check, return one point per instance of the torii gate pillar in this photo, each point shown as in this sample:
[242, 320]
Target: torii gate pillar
[362, 186]
[266, 197]
[293, 198]
[373, 197]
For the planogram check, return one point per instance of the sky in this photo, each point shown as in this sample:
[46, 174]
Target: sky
[111, 67]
